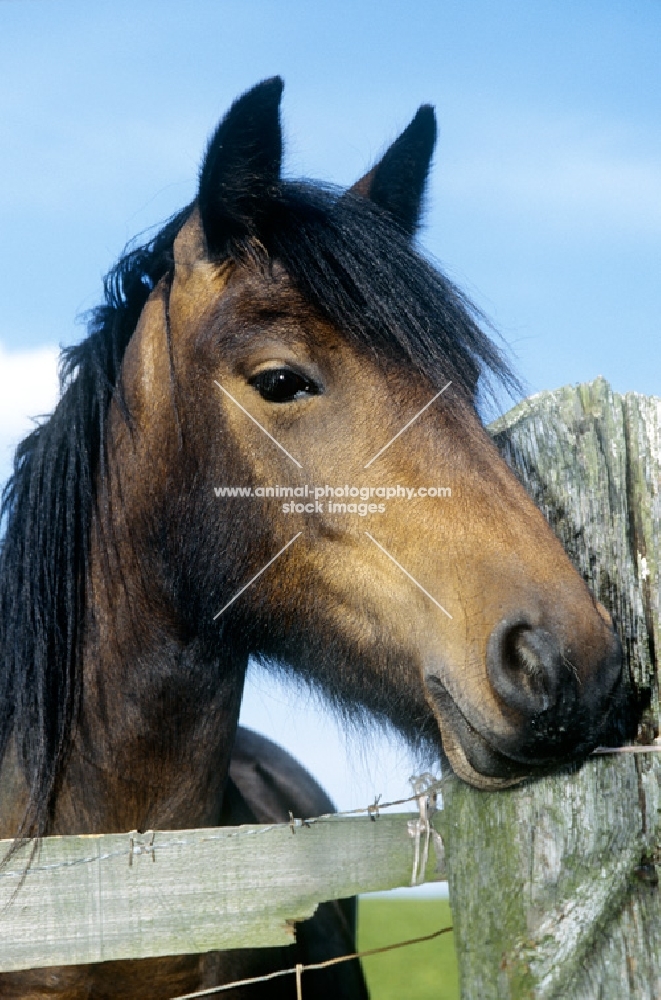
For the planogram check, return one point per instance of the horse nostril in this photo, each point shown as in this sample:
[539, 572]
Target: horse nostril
[526, 667]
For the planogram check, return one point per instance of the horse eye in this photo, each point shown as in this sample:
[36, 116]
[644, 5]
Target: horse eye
[282, 385]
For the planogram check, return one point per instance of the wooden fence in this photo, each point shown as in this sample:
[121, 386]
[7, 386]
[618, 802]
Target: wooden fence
[96, 898]
[553, 884]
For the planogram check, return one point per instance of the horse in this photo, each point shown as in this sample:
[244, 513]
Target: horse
[276, 334]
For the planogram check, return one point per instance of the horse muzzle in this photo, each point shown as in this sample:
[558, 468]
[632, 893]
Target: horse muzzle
[542, 713]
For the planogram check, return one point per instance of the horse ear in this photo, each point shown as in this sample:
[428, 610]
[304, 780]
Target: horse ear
[397, 182]
[241, 166]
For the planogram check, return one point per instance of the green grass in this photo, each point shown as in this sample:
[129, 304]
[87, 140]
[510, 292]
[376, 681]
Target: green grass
[420, 972]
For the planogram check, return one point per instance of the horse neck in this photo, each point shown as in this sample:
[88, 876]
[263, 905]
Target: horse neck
[157, 721]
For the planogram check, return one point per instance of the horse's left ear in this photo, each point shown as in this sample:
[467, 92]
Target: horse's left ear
[241, 166]
[397, 182]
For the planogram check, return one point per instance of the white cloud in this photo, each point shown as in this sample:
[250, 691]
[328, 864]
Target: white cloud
[28, 389]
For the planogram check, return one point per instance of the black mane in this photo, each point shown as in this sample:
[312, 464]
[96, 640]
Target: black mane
[359, 269]
[47, 507]
[352, 263]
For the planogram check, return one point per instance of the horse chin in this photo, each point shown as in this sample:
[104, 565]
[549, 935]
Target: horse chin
[463, 769]
[471, 757]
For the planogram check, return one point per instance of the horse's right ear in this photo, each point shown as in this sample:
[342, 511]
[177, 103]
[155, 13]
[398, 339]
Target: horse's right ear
[397, 182]
[241, 166]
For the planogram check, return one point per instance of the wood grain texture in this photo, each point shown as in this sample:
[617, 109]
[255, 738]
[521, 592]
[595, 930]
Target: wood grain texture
[553, 885]
[197, 890]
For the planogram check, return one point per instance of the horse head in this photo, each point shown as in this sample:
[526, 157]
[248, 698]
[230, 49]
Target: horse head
[301, 342]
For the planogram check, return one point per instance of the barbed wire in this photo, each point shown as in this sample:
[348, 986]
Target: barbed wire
[136, 847]
[426, 788]
[299, 969]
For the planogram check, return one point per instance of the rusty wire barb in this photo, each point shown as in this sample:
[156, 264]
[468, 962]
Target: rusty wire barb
[141, 846]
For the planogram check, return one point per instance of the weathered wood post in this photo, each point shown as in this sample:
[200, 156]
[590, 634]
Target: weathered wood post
[553, 885]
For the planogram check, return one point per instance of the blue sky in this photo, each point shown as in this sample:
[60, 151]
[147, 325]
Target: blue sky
[544, 203]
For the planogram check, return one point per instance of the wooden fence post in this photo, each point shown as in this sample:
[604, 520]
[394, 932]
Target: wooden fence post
[553, 885]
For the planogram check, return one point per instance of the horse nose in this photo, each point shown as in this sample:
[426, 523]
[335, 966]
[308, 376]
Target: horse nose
[533, 677]
[530, 675]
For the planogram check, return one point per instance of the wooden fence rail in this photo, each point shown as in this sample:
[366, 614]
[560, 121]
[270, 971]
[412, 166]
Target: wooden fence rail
[96, 898]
